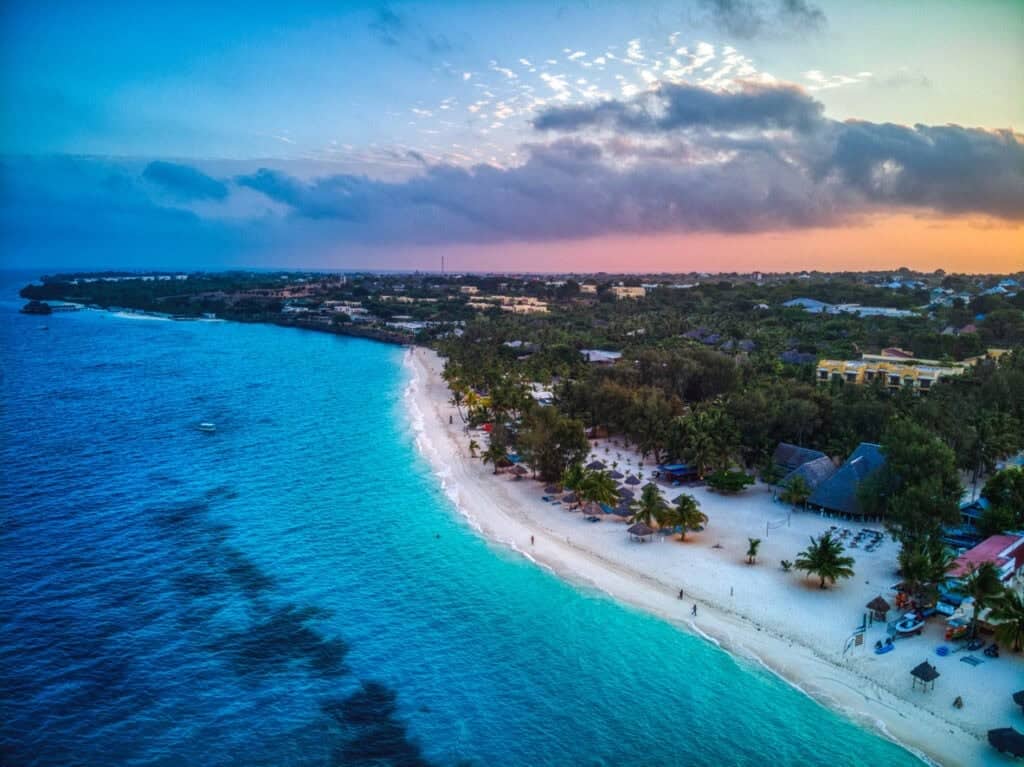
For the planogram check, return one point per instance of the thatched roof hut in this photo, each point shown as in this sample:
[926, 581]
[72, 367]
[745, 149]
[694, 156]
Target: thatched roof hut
[640, 531]
[1007, 740]
[925, 673]
[878, 607]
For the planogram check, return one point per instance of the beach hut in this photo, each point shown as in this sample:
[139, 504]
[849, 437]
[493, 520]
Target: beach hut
[640, 531]
[1007, 741]
[631, 480]
[879, 608]
[926, 674]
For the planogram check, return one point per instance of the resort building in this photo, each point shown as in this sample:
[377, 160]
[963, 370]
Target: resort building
[893, 373]
[1006, 552]
[588, 289]
[839, 494]
[600, 357]
[897, 368]
[624, 291]
[813, 466]
[469, 290]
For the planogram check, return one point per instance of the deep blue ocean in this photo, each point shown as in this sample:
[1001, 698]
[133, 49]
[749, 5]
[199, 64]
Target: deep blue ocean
[295, 589]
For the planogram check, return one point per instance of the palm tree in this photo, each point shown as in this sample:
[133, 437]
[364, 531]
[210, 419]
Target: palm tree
[494, 454]
[1008, 616]
[598, 487]
[572, 479]
[755, 544]
[650, 507]
[687, 515]
[924, 566]
[573, 476]
[982, 584]
[457, 399]
[796, 491]
[473, 447]
[824, 557]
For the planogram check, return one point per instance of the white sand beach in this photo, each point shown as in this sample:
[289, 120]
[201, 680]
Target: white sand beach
[779, 619]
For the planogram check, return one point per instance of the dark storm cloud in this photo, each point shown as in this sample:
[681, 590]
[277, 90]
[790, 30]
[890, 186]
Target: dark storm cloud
[747, 19]
[184, 181]
[780, 107]
[944, 167]
[681, 159]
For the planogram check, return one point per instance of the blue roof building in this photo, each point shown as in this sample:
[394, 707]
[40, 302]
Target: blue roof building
[839, 493]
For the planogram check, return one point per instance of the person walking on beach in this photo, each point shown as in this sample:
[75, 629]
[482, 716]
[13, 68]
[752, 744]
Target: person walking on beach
[680, 593]
[693, 611]
[531, 540]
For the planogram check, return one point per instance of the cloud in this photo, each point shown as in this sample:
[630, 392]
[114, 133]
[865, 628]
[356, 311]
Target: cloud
[946, 167]
[801, 16]
[681, 105]
[387, 26]
[747, 19]
[393, 30]
[681, 159]
[184, 182]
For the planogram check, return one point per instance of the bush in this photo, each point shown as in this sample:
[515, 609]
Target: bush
[729, 481]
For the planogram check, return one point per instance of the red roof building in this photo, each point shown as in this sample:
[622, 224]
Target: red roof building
[1006, 552]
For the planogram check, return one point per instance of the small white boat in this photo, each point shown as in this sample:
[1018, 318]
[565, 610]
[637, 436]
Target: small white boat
[207, 427]
[911, 623]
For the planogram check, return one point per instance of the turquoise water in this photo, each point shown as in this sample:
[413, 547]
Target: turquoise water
[296, 590]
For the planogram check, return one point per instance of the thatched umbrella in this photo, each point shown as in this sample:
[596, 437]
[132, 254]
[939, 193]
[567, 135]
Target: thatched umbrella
[552, 489]
[879, 607]
[615, 474]
[640, 531]
[592, 509]
[595, 466]
[1007, 740]
[623, 510]
[519, 471]
[569, 498]
[631, 480]
[925, 673]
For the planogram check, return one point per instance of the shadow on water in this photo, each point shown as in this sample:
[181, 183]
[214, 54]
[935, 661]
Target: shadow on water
[278, 638]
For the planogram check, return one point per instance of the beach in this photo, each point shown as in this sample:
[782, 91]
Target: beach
[760, 613]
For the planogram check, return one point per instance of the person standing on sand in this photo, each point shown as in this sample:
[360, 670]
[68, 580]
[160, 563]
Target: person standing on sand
[680, 593]
[693, 611]
[531, 540]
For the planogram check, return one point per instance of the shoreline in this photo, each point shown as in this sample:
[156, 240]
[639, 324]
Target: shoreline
[504, 513]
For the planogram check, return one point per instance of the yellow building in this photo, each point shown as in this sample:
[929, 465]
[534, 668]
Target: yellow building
[894, 375]
[623, 291]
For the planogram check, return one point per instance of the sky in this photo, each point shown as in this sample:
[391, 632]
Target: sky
[702, 135]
